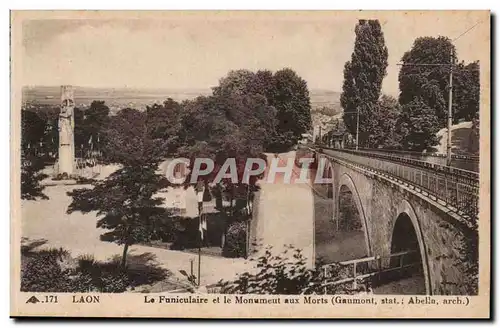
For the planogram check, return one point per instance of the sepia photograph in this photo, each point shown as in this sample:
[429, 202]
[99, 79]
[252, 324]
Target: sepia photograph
[264, 163]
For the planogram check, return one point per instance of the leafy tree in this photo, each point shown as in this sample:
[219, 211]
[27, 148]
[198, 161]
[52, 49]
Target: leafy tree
[425, 75]
[428, 83]
[418, 126]
[125, 201]
[246, 98]
[32, 130]
[291, 99]
[235, 122]
[81, 133]
[263, 83]
[129, 140]
[31, 177]
[50, 114]
[363, 76]
[164, 122]
[236, 82]
[95, 121]
[32, 135]
[281, 101]
[385, 118]
[466, 90]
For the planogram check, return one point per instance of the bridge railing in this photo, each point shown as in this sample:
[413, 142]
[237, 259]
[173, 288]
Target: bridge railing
[416, 154]
[377, 268]
[427, 164]
[459, 189]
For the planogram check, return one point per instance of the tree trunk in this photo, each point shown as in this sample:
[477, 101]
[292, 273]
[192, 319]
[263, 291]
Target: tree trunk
[218, 198]
[124, 255]
[231, 202]
[125, 246]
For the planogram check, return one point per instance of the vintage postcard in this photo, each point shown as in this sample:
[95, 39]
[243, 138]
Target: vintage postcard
[250, 164]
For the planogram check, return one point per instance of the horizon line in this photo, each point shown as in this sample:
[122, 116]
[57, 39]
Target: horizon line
[143, 87]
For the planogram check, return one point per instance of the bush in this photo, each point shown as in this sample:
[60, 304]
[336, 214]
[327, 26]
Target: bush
[236, 240]
[41, 272]
[48, 271]
[287, 274]
[102, 277]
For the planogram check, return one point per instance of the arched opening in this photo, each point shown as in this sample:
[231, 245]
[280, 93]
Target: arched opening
[340, 225]
[350, 231]
[407, 270]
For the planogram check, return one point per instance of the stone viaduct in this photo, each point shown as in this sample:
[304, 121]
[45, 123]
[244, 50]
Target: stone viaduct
[392, 212]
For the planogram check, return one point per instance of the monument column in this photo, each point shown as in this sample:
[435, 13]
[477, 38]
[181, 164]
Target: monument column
[66, 131]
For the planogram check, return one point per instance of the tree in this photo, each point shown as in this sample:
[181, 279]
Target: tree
[282, 101]
[32, 130]
[31, 177]
[80, 132]
[385, 118]
[236, 82]
[235, 122]
[50, 114]
[125, 200]
[95, 121]
[290, 97]
[428, 83]
[466, 90]
[363, 76]
[418, 126]
[246, 98]
[164, 123]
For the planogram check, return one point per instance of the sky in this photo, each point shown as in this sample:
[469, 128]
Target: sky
[194, 51]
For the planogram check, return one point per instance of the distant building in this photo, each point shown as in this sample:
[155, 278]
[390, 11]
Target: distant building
[337, 139]
[305, 138]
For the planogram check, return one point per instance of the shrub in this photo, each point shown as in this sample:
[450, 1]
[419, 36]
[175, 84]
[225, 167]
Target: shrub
[41, 272]
[287, 274]
[102, 277]
[236, 236]
[54, 271]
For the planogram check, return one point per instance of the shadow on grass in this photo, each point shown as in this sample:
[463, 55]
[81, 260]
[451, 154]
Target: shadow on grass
[142, 269]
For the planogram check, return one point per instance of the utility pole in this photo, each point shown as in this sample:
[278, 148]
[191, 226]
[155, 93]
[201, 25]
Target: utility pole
[450, 110]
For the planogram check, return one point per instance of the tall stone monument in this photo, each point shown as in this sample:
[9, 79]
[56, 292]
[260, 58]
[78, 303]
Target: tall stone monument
[66, 131]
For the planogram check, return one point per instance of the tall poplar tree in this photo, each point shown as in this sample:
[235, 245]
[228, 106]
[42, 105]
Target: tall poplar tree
[363, 76]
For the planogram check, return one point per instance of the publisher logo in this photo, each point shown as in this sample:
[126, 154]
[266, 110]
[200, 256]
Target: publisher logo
[33, 300]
